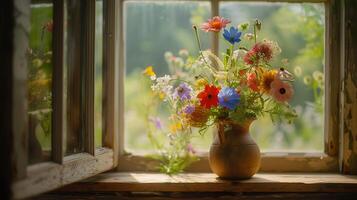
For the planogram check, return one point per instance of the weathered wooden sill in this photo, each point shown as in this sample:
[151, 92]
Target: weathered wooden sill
[208, 182]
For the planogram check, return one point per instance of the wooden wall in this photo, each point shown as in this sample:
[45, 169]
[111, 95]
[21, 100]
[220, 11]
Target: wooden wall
[6, 47]
[348, 111]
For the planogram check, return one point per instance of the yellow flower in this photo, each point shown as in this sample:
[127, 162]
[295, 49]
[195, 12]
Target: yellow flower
[174, 128]
[149, 71]
[267, 78]
[201, 83]
[318, 76]
[162, 95]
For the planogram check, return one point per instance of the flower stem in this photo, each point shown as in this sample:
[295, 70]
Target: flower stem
[199, 46]
[197, 38]
[255, 33]
[231, 56]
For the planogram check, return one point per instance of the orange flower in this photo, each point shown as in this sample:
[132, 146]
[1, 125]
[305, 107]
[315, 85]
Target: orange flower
[215, 24]
[198, 117]
[267, 78]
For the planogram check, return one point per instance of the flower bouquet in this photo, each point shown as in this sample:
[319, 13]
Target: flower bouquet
[228, 91]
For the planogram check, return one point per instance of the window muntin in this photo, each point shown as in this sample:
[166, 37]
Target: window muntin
[73, 67]
[303, 136]
[98, 62]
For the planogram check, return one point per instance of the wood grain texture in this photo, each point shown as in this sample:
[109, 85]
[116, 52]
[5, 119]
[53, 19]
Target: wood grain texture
[349, 87]
[88, 51]
[6, 102]
[48, 176]
[195, 196]
[19, 83]
[110, 79]
[208, 182]
[215, 36]
[279, 1]
[58, 90]
[270, 162]
[120, 78]
[332, 77]
[74, 51]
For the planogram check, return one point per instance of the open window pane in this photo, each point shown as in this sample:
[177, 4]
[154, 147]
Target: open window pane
[98, 92]
[73, 61]
[299, 29]
[40, 82]
[155, 30]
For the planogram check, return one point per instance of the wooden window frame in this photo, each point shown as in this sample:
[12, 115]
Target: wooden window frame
[61, 170]
[340, 118]
[327, 161]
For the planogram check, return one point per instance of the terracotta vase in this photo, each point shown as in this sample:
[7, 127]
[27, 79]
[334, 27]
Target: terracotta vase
[233, 153]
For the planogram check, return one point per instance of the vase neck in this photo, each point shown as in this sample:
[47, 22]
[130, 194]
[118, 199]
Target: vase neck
[233, 133]
[237, 127]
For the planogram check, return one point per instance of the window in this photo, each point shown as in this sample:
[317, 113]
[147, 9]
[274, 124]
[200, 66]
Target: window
[72, 126]
[71, 134]
[300, 29]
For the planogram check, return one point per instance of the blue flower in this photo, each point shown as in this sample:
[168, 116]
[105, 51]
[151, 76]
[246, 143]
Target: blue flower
[233, 35]
[228, 98]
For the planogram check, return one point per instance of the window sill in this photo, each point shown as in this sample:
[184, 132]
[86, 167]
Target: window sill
[208, 182]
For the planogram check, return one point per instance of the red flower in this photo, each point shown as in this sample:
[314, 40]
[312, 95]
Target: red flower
[48, 26]
[208, 97]
[260, 51]
[252, 82]
[249, 57]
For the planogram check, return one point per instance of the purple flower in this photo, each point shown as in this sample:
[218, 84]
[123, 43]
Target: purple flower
[228, 98]
[189, 109]
[156, 121]
[190, 149]
[183, 91]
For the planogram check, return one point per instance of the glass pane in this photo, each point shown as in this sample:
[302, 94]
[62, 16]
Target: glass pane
[151, 30]
[98, 99]
[299, 30]
[40, 82]
[73, 33]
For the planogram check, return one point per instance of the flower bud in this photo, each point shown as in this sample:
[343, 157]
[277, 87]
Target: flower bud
[258, 24]
[243, 26]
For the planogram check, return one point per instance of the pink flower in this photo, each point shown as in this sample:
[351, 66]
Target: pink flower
[252, 82]
[281, 91]
[260, 51]
[215, 24]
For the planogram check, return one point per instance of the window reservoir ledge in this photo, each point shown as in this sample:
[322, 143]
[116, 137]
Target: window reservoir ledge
[208, 182]
[270, 162]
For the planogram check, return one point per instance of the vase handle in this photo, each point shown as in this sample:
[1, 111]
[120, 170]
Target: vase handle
[221, 133]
